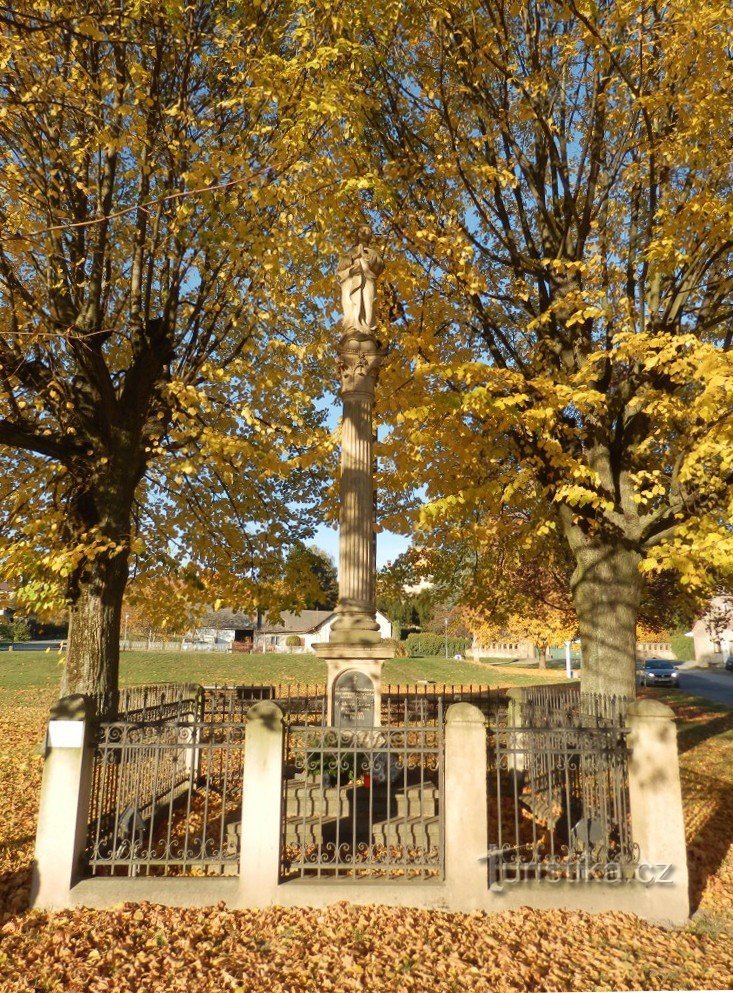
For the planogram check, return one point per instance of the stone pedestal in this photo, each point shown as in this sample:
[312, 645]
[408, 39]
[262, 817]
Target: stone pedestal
[655, 797]
[342, 659]
[65, 790]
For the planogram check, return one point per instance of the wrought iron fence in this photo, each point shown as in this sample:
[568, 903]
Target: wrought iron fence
[167, 782]
[558, 804]
[166, 792]
[225, 703]
[562, 704]
[152, 702]
[363, 802]
[302, 704]
[428, 703]
[550, 695]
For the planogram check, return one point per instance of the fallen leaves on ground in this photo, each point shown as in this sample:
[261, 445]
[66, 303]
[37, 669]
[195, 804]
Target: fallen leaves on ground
[144, 948]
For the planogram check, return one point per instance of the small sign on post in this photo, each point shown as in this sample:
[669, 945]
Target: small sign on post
[353, 700]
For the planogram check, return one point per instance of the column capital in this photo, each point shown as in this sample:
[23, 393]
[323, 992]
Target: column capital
[361, 356]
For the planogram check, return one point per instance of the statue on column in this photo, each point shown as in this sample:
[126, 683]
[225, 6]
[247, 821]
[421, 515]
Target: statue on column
[358, 269]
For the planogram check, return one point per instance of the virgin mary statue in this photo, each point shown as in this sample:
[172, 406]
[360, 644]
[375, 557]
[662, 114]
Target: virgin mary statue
[358, 269]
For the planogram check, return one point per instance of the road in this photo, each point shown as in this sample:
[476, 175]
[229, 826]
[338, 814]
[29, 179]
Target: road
[712, 684]
[30, 646]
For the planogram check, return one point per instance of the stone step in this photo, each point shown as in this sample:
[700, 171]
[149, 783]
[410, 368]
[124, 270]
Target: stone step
[309, 799]
[304, 833]
[411, 832]
[420, 800]
[415, 832]
[315, 814]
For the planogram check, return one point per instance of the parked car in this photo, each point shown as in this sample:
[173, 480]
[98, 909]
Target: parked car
[659, 672]
[729, 663]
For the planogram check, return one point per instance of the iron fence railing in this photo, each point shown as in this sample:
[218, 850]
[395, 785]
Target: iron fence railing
[363, 802]
[558, 801]
[563, 705]
[167, 782]
[166, 793]
[302, 704]
[423, 703]
[224, 703]
[152, 702]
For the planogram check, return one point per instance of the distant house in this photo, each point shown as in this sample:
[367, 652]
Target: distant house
[225, 629]
[712, 633]
[309, 627]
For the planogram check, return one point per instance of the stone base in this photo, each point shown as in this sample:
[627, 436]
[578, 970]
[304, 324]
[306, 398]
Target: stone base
[368, 659]
[355, 626]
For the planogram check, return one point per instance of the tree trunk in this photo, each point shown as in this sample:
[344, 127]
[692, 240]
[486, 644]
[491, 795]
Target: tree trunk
[99, 525]
[606, 588]
[93, 652]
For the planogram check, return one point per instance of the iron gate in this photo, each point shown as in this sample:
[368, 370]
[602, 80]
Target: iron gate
[361, 802]
[558, 799]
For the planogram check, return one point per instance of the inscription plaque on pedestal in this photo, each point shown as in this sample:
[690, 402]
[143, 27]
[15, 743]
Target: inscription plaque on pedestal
[353, 700]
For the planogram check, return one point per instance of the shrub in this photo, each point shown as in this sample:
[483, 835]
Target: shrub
[399, 647]
[683, 647]
[17, 630]
[428, 643]
[335, 768]
[293, 641]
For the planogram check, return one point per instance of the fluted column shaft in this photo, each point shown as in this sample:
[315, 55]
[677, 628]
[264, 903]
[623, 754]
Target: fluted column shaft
[360, 357]
[356, 548]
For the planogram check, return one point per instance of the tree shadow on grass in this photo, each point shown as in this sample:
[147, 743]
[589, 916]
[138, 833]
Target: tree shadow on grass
[15, 889]
[709, 845]
[708, 793]
[691, 735]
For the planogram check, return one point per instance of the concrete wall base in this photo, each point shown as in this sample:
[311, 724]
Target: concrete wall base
[633, 897]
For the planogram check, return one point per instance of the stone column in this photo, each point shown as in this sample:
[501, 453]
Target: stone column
[360, 357]
[465, 806]
[64, 809]
[355, 644]
[655, 797]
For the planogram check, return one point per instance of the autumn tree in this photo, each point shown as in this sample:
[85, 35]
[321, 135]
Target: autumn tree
[311, 576]
[164, 600]
[405, 592]
[510, 575]
[506, 576]
[155, 396]
[555, 178]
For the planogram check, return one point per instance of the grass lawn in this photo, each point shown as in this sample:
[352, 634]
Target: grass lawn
[151, 949]
[23, 671]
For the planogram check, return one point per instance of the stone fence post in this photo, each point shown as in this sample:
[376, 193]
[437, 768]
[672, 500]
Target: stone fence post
[64, 808]
[259, 869]
[655, 796]
[466, 831]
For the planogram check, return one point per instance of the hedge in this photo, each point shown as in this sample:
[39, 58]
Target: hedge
[429, 645]
[683, 647]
